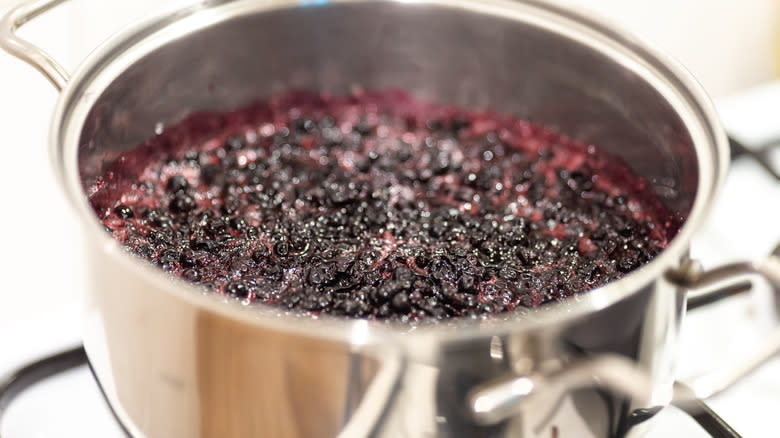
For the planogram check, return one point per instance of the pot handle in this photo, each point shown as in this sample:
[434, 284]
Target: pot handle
[26, 51]
[499, 400]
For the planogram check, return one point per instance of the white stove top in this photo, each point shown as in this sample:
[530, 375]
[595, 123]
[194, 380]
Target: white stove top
[39, 311]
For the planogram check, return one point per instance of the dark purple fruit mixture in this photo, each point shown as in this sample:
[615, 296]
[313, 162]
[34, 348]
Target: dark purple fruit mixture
[377, 205]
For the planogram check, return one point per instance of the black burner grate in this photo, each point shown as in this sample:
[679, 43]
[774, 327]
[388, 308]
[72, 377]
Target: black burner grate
[762, 155]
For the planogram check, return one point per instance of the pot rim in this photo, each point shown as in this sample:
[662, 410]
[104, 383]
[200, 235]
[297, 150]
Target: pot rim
[667, 77]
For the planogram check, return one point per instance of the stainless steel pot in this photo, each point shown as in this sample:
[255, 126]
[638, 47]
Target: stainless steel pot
[177, 363]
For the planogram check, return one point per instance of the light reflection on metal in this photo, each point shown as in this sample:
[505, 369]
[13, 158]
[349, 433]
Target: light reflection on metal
[496, 348]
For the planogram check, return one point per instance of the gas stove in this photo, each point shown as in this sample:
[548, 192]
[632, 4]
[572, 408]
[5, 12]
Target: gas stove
[61, 397]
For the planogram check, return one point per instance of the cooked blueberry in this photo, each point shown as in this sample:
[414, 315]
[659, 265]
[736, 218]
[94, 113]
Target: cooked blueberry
[369, 257]
[466, 283]
[168, 256]
[320, 274]
[363, 128]
[626, 229]
[459, 123]
[403, 274]
[235, 143]
[282, 248]
[401, 302]
[216, 226]
[191, 275]
[507, 273]
[240, 265]
[123, 211]
[182, 204]
[237, 289]
[298, 243]
[425, 175]
[422, 261]
[310, 302]
[304, 126]
[527, 255]
[202, 245]
[143, 251]
[238, 223]
[191, 157]
[442, 270]
[627, 262]
[231, 205]
[252, 233]
[609, 246]
[487, 308]
[273, 272]
[434, 124]
[376, 216]
[441, 163]
[354, 307]
[209, 173]
[187, 259]
[160, 219]
[176, 183]
[260, 254]
[341, 193]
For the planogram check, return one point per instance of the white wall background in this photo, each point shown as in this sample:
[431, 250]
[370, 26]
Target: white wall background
[727, 44]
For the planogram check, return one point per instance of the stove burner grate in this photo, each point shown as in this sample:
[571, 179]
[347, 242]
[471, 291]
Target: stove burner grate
[763, 154]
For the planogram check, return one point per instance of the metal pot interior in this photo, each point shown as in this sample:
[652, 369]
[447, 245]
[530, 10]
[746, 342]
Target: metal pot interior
[528, 58]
